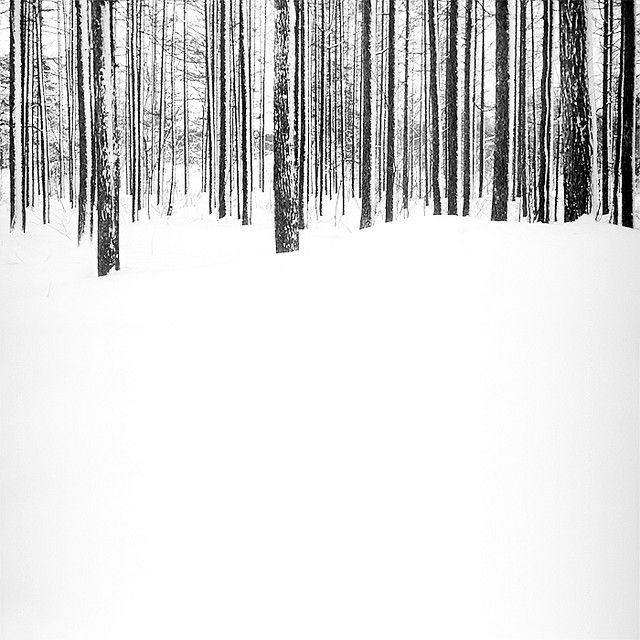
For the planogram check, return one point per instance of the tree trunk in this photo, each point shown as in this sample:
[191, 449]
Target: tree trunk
[435, 110]
[42, 120]
[244, 153]
[262, 100]
[286, 231]
[342, 121]
[628, 106]
[521, 186]
[302, 159]
[618, 149]
[108, 251]
[161, 116]
[576, 109]
[84, 114]
[16, 195]
[514, 120]
[172, 81]
[451, 99]
[366, 218]
[604, 145]
[16, 192]
[222, 161]
[185, 97]
[405, 117]
[481, 125]
[354, 92]
[321, 141]
[466, 114]
[501, 135]
[391, 115]
[544, 185]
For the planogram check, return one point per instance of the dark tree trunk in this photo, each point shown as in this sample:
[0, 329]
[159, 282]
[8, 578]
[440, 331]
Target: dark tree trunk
[185, 97]
[501, 135]
[106, 205]
[391, 115]
[405, 135]
[354, 91]
[618, 149]
[84, 115]
[301, 150]
[451, 99]
[161, 116]
[222, 160]
[544, 185]
[286, 228]
[342, 119]
[321, 141]
[365, 218]
[521, 150]
[576, 109]
[514, 119]
[244, 154]
[16, 169]
[628, 105]
[466, 114]
[606, 70]
[435, 110]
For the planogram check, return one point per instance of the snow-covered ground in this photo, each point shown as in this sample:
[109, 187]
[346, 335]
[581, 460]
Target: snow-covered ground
[427, 429]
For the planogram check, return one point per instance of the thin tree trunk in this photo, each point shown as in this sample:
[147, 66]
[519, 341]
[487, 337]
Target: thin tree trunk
[342, 123]
[303, 115]
[321, 141]
[521, 185]
[262, 100]
[16, 191]
[222, 161]
[481, 125]
[185, 98]
[161, 116]
[244, 153]
[365, 217]
[353, 101]
[391, 115]
[514, 140]
[43, 140]
[405, 118]
[424, 111]
[435, 111]
[172, 73]
[604, 145]
[452, 110]
[544, 185]
[534, 128]
[60, 120]
[618, 156]
[84, 114]
[466, 114]
[628, 106]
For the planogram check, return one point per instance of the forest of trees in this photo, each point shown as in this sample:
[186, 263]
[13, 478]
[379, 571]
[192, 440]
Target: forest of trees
[120, 108]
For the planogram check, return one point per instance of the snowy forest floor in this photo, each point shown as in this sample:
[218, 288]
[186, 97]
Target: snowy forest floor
[430, 427]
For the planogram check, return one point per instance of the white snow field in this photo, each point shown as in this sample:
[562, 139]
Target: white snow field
[429, 429]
